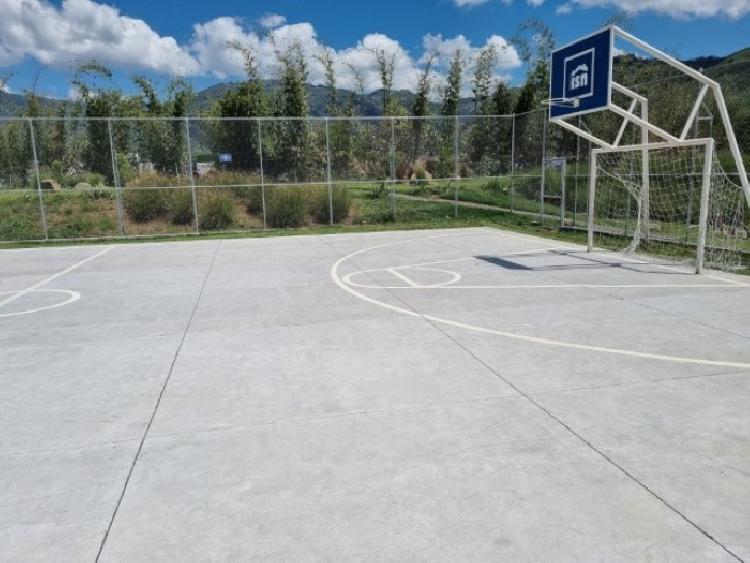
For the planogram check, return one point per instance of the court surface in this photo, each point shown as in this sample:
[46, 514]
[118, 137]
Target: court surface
[449, 395]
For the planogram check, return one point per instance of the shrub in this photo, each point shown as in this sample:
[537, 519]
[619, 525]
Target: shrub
[124, 169]
[496, 186]
[320, 207]
[420, 174]
[179, 203]
[286, 207]
[144, 204]
[216, 212]
[381, 191]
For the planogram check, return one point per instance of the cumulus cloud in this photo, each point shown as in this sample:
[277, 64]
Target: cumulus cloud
[675, 8]
[269, 21]
[82, 29]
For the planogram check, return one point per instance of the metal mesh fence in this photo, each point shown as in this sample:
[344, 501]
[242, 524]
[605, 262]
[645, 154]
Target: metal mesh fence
[82, 178]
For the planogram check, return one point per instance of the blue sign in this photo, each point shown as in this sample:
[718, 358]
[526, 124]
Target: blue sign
[225, 158]
[581, 76]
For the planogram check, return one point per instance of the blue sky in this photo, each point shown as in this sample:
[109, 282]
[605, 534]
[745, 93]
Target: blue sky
[160, 38]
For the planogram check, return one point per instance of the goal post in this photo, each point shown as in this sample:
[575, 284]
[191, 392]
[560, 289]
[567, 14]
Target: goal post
[641, 194]
[703, 228]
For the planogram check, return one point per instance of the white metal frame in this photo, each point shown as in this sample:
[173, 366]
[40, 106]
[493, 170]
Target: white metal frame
[647, 128]
[707, 144]
[667, 140]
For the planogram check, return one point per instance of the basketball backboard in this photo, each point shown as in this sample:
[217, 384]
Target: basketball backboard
[581, 76]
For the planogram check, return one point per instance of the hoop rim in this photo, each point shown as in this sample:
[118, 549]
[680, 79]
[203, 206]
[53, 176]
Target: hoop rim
[562, 102]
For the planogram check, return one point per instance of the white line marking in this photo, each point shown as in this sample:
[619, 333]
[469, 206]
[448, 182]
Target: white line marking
[73, 297]
[536, 340]
[19, 294]
[348, 281]
[402, 277]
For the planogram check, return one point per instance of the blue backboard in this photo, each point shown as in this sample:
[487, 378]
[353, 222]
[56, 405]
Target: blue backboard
[581, 74]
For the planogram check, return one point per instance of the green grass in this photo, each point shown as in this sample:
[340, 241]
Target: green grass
[82, 215]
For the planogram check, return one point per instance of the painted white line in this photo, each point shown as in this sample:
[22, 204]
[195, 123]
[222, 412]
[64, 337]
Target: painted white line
[549, 286]
[525, 338]
[455, 277]
[73, 296]
[402, 277]
[21, 293]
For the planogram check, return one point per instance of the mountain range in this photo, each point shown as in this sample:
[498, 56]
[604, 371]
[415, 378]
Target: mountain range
[372, 103]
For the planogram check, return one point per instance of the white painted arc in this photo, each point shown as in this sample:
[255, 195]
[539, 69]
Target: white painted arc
[73, 297]
[525, 338]
[18, 294]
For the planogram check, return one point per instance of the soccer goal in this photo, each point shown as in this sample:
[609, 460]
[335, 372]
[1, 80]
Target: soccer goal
[663, 193]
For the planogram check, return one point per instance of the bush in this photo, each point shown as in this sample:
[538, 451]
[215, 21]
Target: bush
[254, 200]
[381, 191]
[144, 204]
[420, 174]
[320, 207]
[496, 187]
[216, 212]
[124, 169]
[286, 207]
[179, 203]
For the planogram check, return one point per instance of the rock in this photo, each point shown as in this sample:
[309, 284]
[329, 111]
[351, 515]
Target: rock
[50, 184]
[82, 186]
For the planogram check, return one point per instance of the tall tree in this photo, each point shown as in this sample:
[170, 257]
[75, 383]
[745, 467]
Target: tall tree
[295, 147]
[91, 79]
[421, 104]
[359, 81]
[482, 82]
[325, 58]
[248, 99]
[452, 91]
[386, 67]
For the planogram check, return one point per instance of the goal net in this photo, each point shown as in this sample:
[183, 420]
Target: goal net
[652, 200]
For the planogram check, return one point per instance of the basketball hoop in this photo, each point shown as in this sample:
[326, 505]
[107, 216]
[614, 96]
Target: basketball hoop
[562, 102]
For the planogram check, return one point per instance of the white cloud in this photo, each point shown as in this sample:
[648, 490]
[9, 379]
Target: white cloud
[461, 3]
[82, 29]
[270, 20]
[444, 50]
[675, 8]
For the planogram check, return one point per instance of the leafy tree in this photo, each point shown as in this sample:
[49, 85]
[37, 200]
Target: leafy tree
[386, 66]
[295, 140]
[359, 80]
[97, 102]
[421, 105]
[452, 92]
[247, 100]
[482, 83]
[162, 142]
[325, 58]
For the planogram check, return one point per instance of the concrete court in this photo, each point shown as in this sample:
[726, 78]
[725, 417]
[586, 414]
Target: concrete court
[455, 395]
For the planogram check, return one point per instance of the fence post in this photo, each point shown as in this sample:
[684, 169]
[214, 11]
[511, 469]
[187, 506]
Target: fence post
[512, 162]
[456, 166]
[192, 178]
[392, 165]
[116, 181]
[543, 180]
[262, 175]
[42, 210]
[575, 185]
[708, 161]
[328, 173]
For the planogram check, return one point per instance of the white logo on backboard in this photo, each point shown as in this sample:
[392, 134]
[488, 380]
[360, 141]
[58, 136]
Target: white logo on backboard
[579, 78]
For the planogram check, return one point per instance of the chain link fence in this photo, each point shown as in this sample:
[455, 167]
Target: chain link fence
[79, 178]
